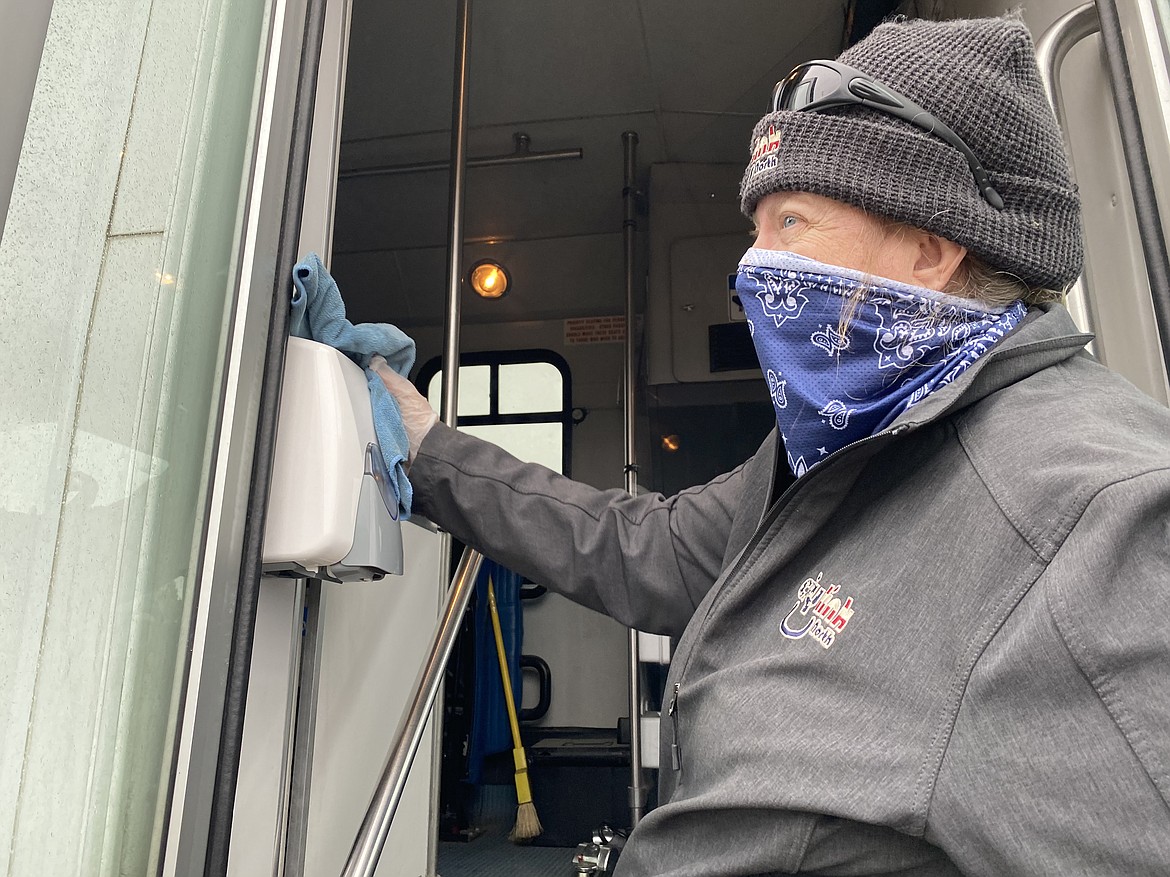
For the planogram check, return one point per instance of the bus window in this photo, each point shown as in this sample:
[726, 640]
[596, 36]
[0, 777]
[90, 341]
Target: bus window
[520, 400]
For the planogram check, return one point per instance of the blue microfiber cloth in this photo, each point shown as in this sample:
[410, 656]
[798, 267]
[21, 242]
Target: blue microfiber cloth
[318, 313]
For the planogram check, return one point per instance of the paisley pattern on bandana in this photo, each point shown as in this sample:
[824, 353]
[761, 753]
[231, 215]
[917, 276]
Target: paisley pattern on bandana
[831, 388]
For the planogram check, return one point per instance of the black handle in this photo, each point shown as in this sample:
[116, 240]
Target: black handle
[531, 590]
[544, 674]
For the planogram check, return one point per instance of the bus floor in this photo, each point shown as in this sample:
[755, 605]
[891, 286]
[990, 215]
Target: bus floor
[490, 853]
[493, 855]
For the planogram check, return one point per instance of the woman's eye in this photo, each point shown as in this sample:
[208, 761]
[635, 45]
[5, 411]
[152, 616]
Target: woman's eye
[788, 221]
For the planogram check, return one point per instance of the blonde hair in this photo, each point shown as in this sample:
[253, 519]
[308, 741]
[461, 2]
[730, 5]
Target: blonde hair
[977, 280]
[974, 279]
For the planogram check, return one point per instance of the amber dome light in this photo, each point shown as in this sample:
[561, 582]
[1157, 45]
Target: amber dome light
[489, 279]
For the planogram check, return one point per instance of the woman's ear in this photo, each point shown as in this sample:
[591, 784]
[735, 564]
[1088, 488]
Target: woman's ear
[937, 260]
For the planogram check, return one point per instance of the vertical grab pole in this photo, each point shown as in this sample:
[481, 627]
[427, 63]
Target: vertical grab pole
[1137, 165]
[1051, 48]
[449, 408]
[637, 789]
[452, 320]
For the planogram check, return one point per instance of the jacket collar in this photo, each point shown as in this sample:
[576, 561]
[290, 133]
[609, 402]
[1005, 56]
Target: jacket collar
[1046, 336]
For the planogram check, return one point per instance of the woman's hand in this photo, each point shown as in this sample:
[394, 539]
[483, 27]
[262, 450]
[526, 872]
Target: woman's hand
[417, 414]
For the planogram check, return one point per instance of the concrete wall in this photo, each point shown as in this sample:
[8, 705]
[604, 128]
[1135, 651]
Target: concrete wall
[116, 256]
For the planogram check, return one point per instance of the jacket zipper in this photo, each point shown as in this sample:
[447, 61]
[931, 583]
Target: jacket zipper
[672, 711]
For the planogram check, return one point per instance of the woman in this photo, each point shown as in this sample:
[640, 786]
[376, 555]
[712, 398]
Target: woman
[923, 645]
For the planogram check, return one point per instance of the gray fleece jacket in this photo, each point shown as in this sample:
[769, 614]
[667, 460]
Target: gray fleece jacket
[945, 650]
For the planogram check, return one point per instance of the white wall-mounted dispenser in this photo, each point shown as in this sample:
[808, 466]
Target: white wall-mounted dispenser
[331, 511]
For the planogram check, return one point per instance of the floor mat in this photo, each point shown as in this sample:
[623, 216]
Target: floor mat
[492, 855]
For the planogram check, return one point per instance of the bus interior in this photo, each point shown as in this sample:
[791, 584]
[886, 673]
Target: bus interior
[560, 101]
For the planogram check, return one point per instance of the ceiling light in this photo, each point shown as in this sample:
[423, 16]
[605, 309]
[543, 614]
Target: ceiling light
[489, 279]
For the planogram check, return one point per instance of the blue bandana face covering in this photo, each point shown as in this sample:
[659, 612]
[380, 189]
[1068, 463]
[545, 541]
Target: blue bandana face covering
[900, 343]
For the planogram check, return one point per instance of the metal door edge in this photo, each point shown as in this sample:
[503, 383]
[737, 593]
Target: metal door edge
[192, 835]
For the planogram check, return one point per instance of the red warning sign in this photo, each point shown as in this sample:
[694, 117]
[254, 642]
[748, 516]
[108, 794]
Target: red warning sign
[595, 330]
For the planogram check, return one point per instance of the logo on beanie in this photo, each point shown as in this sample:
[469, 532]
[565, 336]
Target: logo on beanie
[769, 142]
[764, 155]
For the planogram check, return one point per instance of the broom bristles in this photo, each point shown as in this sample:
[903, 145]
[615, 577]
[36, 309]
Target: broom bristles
[527, 824]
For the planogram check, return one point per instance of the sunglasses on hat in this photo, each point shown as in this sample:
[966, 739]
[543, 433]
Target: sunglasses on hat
[817, 85]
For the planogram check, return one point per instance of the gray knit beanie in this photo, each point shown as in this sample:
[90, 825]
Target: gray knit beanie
[979, 77]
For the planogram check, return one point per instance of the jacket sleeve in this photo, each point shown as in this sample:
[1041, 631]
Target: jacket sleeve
[646, 561]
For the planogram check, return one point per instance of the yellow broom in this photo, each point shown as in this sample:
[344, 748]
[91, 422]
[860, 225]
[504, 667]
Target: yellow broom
[527, 822]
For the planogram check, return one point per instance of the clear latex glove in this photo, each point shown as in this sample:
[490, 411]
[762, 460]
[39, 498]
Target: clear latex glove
[417, 414]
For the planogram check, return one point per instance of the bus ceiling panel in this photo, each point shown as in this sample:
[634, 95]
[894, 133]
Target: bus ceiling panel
[428, 146]
[542, 199]
[705, 139]
[552, 60]
[551, 279]
[398, 72]
[539, 204]
[545, 143]
[527, 61]
[725, 57]
[410, 210]
[531, 62]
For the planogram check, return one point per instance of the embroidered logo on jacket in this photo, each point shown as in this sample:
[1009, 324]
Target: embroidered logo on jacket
[818, 612]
